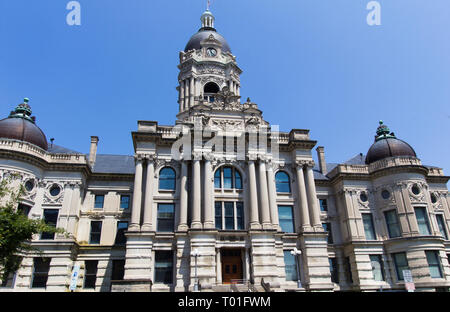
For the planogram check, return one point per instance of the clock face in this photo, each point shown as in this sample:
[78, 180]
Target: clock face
[211, 52]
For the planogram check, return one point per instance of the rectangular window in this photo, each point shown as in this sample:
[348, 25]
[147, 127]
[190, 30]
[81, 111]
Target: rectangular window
[323, 205]
[90, 273]
[227, 178]
[9, 281]
[377, 267]
[442, 227]
[334, 270]
[96, 232]
[122, 226]
[118, 270]
[327, 228]
[229, 216]
[124, 202]
[290, 266]
[218, 211]
[286, 219]
[240, 215]
[164, 266]
[368, 226]
[166, 214]
[237, 180]
[434, 264]
[50, 217]
[24, 209]
[41, 266]
[392, 223]
[217, 179]
[99, 199]
[422, 221]
[401, 263]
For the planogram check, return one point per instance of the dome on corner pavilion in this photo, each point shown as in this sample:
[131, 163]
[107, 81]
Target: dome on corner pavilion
[387, 145]
[20, 126]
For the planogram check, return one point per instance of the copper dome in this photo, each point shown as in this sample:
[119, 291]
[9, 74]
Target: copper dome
[20, 126]
[387, 145]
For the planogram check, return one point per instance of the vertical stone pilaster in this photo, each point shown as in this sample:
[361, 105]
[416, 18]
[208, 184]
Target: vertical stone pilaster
[254, 216]
[302, 200]
[208, 197]
[197, 192]
[314, 210]
[137, 196]
[264, 197]
[183, 197]
[148, 206]
[272, 198]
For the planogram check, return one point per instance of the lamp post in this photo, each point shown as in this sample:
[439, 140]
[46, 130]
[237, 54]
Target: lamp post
[295, 252]
[195, 254]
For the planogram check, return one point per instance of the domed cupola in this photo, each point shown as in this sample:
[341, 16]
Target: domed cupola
[20, 125]
[387, 145]
[205, 32]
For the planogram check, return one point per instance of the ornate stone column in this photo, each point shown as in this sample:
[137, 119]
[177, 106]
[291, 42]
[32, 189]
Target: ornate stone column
[313, 204]
[272, 197]
[182, 226]
[264, 197]
[254, 216]
[74, 206]
[186, 94]
[148, 204]
[191, 92]
[137, 196]
[182, 96]
[302, 199]
[208, 195]
[196, 193]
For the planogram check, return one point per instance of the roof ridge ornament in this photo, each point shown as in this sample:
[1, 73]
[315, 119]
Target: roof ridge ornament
[23, 110]
[383, 132]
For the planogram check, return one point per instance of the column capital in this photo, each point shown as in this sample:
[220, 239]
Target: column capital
[139, 157]
[308, 163]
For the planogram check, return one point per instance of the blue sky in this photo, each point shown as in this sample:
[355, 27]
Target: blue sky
[308, 65]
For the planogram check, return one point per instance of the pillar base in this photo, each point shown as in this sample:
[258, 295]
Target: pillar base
[147, 228]
[183, 228]
[134, 228]
[255, 226]
[209, 225]
[267, 226]
[196, 225]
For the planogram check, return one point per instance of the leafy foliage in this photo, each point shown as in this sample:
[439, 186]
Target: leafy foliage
[16, 229]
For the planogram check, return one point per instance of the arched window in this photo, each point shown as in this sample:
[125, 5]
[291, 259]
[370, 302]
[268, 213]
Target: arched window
[209, 91]
[282, 182]
[227, 178]
[167, 179]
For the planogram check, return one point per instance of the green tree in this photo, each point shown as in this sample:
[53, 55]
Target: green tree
[16, 229]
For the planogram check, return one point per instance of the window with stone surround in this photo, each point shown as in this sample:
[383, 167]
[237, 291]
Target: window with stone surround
[334, 270]
[41, 267]
[163, 267]
[434, 263]
[401, 263]
[96, 232]
[392, 223]
[166, 218]
[122, 226]
[286, 218]
[282, 182]
[51, 218]
[90, 273]
[376, 262]
[422, 220]
[167, 179]
[99, 201]
[124, 201]
[227, 177]
[369, 229]
[229, 215]
[290, 266]
[442, 228]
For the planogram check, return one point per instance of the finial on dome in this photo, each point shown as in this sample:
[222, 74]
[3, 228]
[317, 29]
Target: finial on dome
[383, 132]
[207, 18]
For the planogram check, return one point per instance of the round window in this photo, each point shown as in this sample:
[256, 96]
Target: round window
[55, 190]
[385, 194]
[29, 185]
[363, 197]
[415, 189]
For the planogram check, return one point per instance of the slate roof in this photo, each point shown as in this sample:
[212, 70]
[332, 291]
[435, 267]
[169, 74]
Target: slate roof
[121, 164]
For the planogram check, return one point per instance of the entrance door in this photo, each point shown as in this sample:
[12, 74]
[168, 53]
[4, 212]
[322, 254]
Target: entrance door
[231, 265]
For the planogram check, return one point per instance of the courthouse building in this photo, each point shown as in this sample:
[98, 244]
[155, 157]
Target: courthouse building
[255, 213]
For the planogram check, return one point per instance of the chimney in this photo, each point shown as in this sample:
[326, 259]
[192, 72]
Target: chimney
[93, 151]
[321, 158]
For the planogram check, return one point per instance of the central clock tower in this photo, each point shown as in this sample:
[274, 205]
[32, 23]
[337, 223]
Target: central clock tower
[207, 66]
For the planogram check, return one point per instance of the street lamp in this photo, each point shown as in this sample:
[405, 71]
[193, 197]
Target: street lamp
[295, 252]
[195, 253]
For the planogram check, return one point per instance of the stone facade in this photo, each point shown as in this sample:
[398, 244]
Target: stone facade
[204, 215]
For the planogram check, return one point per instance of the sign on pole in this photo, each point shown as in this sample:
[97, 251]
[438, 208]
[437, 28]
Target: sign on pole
[409, 283]
[74, 278]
